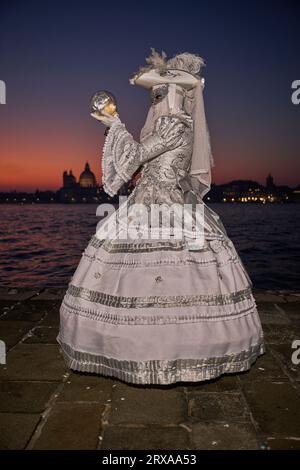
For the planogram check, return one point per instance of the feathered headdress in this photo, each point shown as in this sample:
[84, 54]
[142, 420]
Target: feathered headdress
[186, 62]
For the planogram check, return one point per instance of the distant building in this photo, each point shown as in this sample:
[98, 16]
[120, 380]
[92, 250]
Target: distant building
[85, 190]
[251, 191]
[296, 194]
[241, 191]
[69, 180]
[87, 178]
[270, 182]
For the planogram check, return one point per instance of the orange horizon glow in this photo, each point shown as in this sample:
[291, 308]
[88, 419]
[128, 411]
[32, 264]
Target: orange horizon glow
[36, 158]
[48, 174]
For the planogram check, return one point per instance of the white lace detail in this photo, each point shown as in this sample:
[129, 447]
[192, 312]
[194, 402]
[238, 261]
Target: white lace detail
[122, 155]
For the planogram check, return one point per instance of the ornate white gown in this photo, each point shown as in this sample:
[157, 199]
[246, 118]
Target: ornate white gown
[154, 311]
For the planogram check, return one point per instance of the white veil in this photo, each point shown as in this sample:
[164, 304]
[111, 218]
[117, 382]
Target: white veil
[202, 159]
[180, 101]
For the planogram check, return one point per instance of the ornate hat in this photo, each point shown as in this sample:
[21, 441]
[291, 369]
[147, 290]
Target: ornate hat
[182, 70]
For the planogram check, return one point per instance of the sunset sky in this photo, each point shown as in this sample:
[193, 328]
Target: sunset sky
[54, 55]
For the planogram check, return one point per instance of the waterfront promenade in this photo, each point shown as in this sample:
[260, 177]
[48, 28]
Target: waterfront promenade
[43, 405]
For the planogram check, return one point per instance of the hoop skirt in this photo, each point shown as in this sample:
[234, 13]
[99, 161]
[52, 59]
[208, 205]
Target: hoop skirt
[159, 310]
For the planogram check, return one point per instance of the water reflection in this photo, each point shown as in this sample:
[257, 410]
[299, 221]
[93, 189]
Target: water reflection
[42, 245]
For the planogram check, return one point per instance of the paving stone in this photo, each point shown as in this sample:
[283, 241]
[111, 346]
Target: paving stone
[276, 407]
[29, 310]
[51, 319]
[284, 354]
[42, 334]
[292, 297]
[205, 406]
[269, 313]
[5, 306]
[268, 297]
[292, 310]
[140, 405]
[279, 334]
[152, 437]
[217, 406]
[225, 383]
[25, 397]
[50, 294]
[16, 429]
[223, 436]
[52, 316]
[86, 387]
[287, 443]
[11, 332]
[34, 362]
[266, 368]
[71, 427]
[21, 293]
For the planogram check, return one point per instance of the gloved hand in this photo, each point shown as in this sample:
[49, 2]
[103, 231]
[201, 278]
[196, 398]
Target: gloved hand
[106, 119]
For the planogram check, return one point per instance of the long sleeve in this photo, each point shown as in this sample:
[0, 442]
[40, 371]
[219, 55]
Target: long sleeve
[122, 155]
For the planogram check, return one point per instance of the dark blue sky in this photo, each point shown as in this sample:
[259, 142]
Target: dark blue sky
[55, 55]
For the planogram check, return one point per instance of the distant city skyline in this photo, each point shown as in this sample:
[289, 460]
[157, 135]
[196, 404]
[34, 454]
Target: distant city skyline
[70, 50]
[86, 189]
[98, 180]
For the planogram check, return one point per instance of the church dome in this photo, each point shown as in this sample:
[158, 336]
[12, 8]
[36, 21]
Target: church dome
[87, 178]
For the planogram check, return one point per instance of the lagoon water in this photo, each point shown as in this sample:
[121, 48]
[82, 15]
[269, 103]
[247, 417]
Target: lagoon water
[41, 245]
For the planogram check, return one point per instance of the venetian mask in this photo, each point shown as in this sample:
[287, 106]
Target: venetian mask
[158, 93]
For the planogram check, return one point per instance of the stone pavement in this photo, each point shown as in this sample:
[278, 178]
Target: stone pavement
[45, 406]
